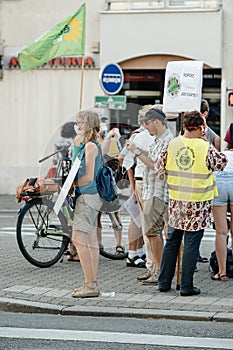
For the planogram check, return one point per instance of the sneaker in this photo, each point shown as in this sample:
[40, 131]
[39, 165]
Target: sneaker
[135, 262]
[143, 257]
[88, 290]
[151, 281]
[144, 277]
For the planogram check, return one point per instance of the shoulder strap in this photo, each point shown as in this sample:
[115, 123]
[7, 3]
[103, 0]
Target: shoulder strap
[82, 153]
[100, 150]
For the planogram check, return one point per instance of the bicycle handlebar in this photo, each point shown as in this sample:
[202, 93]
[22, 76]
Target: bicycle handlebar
[52, 154]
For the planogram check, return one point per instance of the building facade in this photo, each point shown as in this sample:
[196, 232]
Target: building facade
[140, 36]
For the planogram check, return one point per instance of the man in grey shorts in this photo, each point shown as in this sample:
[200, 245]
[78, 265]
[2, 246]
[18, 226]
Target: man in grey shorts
[155, 195]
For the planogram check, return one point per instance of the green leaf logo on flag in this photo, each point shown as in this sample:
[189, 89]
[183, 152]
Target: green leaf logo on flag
[66, 38]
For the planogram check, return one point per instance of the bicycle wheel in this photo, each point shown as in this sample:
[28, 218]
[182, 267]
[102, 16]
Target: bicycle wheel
[40, 234]
[108, 245]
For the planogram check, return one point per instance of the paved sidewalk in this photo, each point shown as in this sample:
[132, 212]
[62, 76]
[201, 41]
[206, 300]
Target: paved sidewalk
[26, 288]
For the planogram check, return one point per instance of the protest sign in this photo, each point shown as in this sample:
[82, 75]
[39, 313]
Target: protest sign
[183, 86]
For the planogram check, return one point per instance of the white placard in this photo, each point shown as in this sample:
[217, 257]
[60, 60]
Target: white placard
[183, 86]
[67, 184]
[132, 208]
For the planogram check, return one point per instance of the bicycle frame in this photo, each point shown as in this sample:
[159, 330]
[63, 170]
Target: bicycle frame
[43, 222]
[43, 237]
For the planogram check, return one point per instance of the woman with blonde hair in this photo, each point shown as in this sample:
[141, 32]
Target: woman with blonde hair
[88, 202]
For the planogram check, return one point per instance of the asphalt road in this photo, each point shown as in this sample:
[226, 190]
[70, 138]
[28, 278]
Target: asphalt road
[26, 331]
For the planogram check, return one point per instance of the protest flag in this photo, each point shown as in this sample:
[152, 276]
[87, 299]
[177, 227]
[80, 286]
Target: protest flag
[66, 38]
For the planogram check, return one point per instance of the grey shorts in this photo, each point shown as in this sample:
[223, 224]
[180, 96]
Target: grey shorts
[154, 213]
[86, 212]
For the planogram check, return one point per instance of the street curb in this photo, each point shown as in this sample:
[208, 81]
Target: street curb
[14, 305]
[9, 305]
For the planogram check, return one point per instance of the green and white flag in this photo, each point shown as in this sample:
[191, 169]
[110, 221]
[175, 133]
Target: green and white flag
[66, 38]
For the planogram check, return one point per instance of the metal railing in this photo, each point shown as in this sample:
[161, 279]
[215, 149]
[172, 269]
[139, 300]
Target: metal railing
[162, 4]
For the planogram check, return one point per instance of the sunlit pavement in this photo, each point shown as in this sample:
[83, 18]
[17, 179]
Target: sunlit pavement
[26, 288]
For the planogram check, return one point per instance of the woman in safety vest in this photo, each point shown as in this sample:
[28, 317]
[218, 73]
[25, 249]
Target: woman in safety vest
[188, 162]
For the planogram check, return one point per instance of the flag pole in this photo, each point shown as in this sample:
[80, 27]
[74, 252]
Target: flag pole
[81, 85]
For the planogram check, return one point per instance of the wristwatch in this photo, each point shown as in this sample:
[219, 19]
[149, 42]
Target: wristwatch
[137, 153]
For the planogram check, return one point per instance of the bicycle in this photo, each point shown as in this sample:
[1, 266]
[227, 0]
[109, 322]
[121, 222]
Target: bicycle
[43, 237]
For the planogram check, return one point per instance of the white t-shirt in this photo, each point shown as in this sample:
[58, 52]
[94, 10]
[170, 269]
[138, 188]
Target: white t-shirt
[229, 166]
[142, 140]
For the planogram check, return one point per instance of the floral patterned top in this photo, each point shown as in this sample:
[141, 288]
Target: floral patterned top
[192, 216]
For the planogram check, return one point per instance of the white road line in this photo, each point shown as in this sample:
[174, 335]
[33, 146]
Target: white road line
[209, 235]
[28, 232]
[114, 337]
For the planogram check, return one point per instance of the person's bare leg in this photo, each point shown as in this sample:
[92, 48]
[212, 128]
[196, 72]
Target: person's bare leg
[140, 242]
[220, 222]
[133, 234]
[157, 249]
[165, 227]
[73, 253]
[88, 250]
[99, 230]
[118, 231]
[93, 248]
[231, 225]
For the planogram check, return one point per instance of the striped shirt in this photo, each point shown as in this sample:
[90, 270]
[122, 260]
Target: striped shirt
[152, 186]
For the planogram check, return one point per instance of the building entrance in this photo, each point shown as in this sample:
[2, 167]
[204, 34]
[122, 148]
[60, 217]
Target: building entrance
[143, 87]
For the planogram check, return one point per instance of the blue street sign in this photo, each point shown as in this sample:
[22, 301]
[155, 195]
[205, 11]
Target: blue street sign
[111, 78]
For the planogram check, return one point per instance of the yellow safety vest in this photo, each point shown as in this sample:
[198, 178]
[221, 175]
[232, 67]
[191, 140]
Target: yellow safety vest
[188, 177]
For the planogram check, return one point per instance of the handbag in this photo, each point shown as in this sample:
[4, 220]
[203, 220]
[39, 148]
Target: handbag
[36, 187]
[120, 173]
[122, 178]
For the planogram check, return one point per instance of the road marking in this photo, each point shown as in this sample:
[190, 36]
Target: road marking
[115, 337]
[208, 236]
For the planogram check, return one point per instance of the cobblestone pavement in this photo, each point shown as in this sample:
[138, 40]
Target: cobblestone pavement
[26, 288]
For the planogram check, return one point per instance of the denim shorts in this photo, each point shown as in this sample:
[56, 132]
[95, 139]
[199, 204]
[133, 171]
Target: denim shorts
[224, 182]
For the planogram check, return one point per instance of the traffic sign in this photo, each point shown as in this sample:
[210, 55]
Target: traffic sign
[111, 78]
[110, 102]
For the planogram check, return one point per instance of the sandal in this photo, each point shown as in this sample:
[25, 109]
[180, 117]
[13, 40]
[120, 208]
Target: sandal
[221, 278]
[120, 250]
[73, 257]
[67, 252]
[86, 291]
